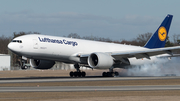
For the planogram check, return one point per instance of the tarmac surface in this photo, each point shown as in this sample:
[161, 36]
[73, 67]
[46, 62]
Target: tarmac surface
[83, 88]
[87, 88]
[69, 79]
[55, 85]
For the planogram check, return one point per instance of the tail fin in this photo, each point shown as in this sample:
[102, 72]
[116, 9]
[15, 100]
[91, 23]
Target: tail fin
[158, 39]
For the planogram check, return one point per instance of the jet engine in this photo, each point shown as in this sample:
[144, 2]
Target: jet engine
[41, 64]
[100, 60]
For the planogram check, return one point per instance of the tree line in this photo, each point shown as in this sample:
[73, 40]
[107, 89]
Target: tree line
[140, 40]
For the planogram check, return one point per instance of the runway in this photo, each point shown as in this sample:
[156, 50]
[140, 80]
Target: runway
[68, 79]
[88, 88]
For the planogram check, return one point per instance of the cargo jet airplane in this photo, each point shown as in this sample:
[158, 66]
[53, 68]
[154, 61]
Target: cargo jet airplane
[44, 50]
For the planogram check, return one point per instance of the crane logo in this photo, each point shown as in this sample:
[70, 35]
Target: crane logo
[162, 33]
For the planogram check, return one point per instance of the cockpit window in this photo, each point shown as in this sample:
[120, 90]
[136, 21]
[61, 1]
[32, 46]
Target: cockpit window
[18, 41]
[13, 40]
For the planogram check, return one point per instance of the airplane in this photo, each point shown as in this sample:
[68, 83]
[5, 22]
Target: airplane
[44, 50]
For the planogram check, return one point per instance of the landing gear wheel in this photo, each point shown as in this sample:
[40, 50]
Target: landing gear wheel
[75, 74]
[116, 73]
[104, 74]
[24, 67]
[71, 74]
[109, 74]
[83, 74]
[78, 73]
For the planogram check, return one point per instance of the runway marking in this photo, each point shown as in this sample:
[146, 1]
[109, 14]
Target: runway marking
[88, 88]
[31, 80]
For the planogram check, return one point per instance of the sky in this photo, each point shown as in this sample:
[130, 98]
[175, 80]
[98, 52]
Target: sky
[114, 19]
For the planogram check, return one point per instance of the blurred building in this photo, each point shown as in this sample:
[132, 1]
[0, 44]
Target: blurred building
[5, 62]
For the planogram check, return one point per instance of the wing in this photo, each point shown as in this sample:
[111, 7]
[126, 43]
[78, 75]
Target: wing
[104, 60]
[144, 53]
[138, 54]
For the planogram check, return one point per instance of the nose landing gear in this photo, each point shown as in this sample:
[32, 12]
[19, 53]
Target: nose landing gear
[23, 63]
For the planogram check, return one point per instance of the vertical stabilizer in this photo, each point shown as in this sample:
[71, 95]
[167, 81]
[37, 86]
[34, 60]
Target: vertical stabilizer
[158, 39]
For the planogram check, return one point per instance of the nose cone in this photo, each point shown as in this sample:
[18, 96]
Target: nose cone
[10, 46]
[14, 47]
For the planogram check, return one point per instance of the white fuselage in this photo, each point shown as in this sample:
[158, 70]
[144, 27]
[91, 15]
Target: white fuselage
[63, 49]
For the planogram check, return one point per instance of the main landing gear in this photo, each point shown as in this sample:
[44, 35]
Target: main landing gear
[77, 73]
[110, 73]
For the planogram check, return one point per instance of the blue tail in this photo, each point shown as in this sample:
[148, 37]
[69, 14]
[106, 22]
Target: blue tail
[158, 39]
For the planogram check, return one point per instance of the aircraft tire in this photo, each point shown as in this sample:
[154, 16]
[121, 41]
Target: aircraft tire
[71, 74]
[79, 74]
[109, 74]
[116, 73]
[104, 74]
[83, 74]
[24, 67]
[75, 74]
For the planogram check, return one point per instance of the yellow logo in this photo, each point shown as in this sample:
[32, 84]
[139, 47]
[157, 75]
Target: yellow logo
[162, 33]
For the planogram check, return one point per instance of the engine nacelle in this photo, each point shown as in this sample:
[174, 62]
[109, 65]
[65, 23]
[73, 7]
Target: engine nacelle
[41, 64]
[100, 60]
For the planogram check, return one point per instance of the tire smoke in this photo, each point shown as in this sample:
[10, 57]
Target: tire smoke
[161, 67]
